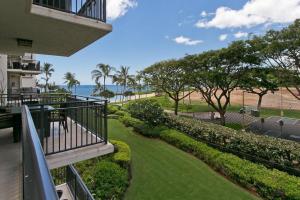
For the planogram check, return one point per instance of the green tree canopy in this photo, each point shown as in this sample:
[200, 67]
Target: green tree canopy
[169, 77]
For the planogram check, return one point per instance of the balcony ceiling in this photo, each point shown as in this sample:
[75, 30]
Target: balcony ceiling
[52, 32]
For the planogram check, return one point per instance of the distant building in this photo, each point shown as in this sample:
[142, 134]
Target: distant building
[19, 73]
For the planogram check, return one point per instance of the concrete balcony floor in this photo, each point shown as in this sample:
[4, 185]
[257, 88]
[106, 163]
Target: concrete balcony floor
[10, 166]
[75, 145]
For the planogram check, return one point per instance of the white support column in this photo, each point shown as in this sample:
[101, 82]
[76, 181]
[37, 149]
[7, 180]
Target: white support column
[3, 73]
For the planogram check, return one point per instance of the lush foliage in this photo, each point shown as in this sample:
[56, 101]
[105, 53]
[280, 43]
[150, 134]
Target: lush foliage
[122, 155]
[270, 184]
[148, 110]
[169, 77]
[282, 152]
[107, 94]
[259, 81]
[107, 177]
[106, 180]
[162, 171]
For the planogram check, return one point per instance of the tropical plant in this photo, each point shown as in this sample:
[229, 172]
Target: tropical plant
[123, 76]
[169, 77]
[281, 49]
[71, 81]
[259, 81]
[47, 70]
[107, 94]
[103, 71]
[215, 74]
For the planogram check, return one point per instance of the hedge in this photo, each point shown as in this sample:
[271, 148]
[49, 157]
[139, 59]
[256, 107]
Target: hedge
[122, 155]
[107, 177]
[142, 127]
[284, 154]
[269, 183]
[106, 180]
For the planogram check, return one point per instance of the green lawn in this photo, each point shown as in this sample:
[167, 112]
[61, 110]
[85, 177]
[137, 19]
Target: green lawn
[162, 172]
[198, 106]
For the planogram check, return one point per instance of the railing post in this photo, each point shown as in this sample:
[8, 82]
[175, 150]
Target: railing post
[104, 10]
[105, 121]
[42, 125]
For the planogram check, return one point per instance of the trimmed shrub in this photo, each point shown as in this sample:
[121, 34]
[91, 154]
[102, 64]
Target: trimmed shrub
[275, 150]
[141, 127]
[106, 180]
[122, 155]
[111, 109]
[269, 183]
[148, 110]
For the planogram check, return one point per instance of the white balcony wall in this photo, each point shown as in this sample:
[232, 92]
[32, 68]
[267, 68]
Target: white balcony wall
[3, 73]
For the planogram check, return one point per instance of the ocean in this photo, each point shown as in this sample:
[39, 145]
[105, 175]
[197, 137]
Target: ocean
[87, 90]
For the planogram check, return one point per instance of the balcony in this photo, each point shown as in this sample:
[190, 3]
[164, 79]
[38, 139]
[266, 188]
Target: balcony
[57, 130]
[64, 26]
[32, 67]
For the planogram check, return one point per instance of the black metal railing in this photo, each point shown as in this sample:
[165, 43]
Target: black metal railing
[70, 176]
[37, 181]
[95, 9]
[70, 125]
[32, 66]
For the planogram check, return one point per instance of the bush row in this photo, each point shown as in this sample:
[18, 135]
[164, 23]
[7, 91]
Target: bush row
[274, 150]
[122, 155]
[107, 177]
[270, 184]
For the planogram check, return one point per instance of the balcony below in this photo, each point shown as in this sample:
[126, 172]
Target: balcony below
[37, 27]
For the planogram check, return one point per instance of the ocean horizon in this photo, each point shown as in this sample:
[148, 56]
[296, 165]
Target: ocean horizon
[87, 90]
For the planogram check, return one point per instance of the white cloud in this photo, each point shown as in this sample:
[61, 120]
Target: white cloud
[254, 12]
[186, 41]
[118, 8]
[203, 14]
[240, 34]
[223, 37]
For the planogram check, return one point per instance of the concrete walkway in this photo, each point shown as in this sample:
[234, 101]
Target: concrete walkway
[10, 166]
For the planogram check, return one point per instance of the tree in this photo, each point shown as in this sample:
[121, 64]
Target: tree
[169, 77]
[102, 71]
[138, 79]
[259, 81]
[71, 81]
[215, 74]
[47, 70]
[281, 49]
[123, 76]
[107, 94]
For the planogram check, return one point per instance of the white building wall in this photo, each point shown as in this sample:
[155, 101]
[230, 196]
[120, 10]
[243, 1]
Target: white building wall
[3, 73]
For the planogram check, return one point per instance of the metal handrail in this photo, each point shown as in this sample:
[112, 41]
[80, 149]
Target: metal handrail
[78, 182]
[37, 181]
[94, 9]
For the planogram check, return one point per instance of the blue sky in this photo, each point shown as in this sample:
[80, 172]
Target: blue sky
[147, 31]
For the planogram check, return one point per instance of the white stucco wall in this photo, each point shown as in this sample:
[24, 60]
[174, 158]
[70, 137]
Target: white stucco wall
[3, 73]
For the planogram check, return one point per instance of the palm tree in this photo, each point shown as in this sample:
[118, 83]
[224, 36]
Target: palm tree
[47, 70]
[132, 83]
[103, 71]
[116, 80]
[123, 77]
[71, 81]
[138, 78]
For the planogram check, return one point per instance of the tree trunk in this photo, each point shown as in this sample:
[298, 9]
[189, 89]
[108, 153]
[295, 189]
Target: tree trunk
[176, 107]
[260, 97]
[222, 118]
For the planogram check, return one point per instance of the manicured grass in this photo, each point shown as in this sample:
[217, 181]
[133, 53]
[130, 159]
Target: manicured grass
[199, 106]
[161, 171]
